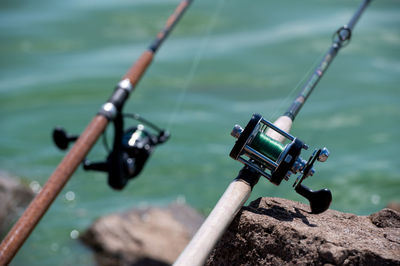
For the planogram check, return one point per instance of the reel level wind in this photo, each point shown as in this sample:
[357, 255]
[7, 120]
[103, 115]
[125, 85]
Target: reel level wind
[276, 161]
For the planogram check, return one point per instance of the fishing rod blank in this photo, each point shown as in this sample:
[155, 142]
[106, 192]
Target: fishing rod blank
[109, 111]
[340, 39]
[260, 146]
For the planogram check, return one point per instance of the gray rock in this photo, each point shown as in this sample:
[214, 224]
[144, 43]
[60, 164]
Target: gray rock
[14, 198]
[394, 206]
[148, 236]
[274, 231]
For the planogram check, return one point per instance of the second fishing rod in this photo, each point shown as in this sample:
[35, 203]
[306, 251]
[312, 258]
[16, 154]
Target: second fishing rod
[119, 168]
[269, 150]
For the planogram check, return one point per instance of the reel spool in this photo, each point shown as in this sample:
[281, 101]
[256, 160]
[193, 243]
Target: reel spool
[276, 161]
[131, 149]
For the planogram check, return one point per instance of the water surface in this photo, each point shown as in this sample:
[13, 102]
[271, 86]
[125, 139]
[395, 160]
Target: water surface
[59, 61]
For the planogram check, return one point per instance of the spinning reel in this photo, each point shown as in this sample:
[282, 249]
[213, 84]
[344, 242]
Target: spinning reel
[129, 153]
[277, 161]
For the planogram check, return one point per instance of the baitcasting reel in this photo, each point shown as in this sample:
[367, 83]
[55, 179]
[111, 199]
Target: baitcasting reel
[277, 161]
[130, 151]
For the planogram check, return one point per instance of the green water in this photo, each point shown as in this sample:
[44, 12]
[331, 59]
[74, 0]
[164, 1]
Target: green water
[59, 61]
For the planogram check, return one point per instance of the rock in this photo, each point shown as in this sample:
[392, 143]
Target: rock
[274, 231]
[386, 218]
[147, 236]
[14, 198]
[394, 206]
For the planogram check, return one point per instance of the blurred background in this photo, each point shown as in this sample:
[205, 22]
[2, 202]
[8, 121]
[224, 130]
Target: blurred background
[60, 60]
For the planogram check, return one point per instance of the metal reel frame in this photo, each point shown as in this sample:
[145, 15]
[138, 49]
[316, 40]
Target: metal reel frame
[279, 169]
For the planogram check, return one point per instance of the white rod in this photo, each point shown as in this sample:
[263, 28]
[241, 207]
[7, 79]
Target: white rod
[198, 250]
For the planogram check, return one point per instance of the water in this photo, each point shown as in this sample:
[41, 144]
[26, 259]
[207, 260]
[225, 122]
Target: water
[59, 61]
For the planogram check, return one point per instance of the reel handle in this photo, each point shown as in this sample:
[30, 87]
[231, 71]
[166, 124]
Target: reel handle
[95, 166]
[163, 136]
[62, 139]
[319, 200]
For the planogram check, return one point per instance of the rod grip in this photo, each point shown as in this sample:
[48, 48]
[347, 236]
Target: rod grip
[285, 123]
[203, 242]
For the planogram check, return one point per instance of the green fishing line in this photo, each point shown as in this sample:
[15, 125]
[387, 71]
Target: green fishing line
[267, 146]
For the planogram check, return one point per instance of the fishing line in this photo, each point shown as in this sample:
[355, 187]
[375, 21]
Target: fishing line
[195, 63]
[285, 101]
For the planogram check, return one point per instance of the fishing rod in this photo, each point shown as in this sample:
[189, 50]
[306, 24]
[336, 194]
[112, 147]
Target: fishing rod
[260, 146]
[341, 38]
[110, 111]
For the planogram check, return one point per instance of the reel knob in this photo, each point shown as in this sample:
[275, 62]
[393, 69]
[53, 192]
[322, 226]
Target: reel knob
[163, 136]
[62, 139]
[236, 131]
[323, 155]
[320, 200]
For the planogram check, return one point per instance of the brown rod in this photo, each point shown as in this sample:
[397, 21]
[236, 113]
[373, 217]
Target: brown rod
[39, 205]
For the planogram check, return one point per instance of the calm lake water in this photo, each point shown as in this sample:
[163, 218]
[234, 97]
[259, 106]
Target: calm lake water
[60, 60]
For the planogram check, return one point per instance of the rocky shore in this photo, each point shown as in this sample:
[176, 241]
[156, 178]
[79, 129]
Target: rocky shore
[275, 231]
[144, 236]
[270, 231]
[14, 198]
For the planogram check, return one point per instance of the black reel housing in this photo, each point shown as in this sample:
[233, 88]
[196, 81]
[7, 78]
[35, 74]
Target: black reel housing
[278, 171]
[130, 152]
[277, 161]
